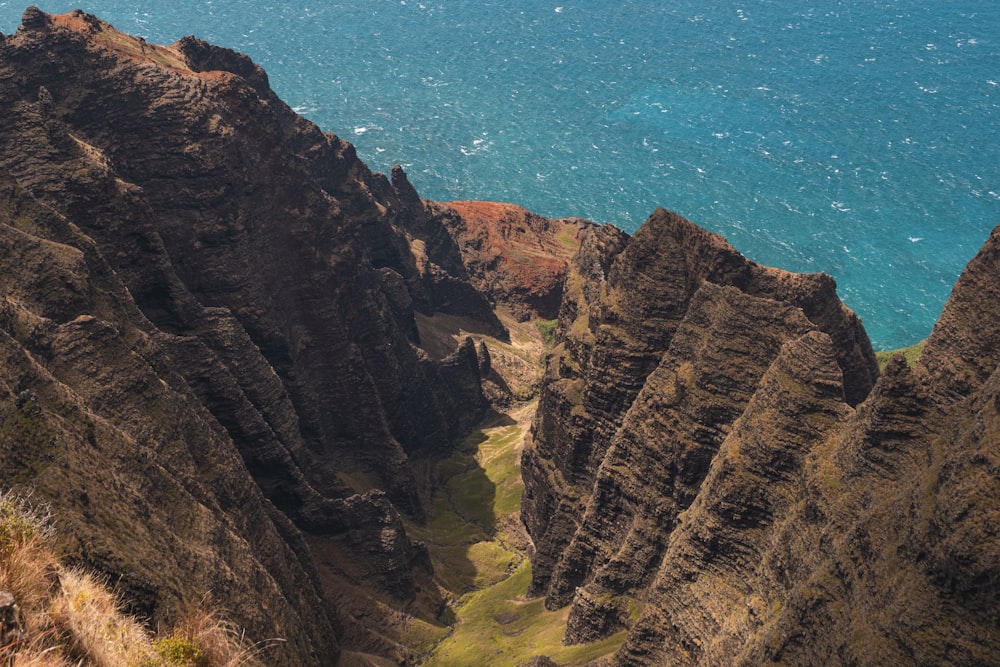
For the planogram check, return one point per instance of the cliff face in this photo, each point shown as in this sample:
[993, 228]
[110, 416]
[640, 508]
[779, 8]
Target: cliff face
[208, 306]
[660, 352]
[877, 542]
[715, 467]
[212, 368]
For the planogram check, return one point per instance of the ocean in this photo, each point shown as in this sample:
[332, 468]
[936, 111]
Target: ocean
[854, 137]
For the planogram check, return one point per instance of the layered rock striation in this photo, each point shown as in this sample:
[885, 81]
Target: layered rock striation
[716, 467]
[211, 360]
[213, 370]
[662, 345]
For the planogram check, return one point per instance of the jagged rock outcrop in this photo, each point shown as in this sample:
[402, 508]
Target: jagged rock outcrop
[650, 332]
[752, 496]
[722, 578]
[147, 483]
[660, 456]
[881, 546]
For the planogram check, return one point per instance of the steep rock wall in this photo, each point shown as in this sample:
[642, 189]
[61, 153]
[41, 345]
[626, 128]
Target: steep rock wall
[877, 546]
[617, 328]
[209, 305]
[758, 500]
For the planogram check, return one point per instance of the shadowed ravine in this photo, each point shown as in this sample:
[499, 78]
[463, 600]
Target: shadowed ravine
[494, 622]
[474, 534]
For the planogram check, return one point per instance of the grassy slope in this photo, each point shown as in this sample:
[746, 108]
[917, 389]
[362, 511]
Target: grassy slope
[478, 547]
[499, 626]
[911, 354]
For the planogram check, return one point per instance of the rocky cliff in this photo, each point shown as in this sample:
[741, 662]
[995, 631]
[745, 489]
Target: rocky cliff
[516, 258]
[660, 353]
[716, 467]
[211, 364]
[211, 321]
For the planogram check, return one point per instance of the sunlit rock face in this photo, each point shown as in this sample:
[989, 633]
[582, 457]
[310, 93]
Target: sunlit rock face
[718, 467]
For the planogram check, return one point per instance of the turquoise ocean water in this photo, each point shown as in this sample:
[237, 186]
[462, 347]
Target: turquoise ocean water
[856, 137]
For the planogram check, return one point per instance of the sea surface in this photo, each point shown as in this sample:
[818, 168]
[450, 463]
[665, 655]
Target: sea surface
[860, 138]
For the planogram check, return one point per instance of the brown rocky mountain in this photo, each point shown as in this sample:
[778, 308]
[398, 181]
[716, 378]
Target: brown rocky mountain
[717, 468]
[212, 367]
[209, 341]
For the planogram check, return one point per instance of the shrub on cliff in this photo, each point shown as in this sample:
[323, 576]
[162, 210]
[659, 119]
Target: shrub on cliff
[547, 328]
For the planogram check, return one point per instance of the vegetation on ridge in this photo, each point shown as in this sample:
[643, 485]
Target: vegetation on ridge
[911, 354]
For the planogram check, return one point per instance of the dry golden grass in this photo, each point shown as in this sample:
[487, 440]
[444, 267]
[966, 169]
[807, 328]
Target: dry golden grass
[98, 632]
[25, 573]
[219, 642]
[69, 617]
[41, 658]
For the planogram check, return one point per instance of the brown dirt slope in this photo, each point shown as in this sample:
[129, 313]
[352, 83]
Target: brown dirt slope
[518, 259]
